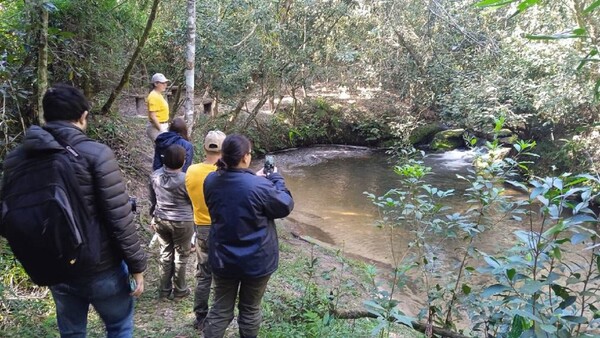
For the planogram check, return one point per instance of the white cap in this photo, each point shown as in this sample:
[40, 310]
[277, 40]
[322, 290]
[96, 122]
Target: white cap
[159, 77]
[214, 140]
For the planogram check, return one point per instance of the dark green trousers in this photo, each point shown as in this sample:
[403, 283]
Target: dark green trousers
[175, 244]
[203, 273]
[250, 292]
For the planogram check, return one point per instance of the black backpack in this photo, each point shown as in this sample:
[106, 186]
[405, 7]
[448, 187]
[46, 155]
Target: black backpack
[45, 218]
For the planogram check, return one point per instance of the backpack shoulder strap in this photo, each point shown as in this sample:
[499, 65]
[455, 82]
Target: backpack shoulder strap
[71, 150]
[68, 146]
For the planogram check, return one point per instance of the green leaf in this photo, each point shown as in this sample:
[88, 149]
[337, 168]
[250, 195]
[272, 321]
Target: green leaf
[557, 228]
[556, 253]
[536, 192]
[592, 7]
[466, 289]
[491, 261]
[575, 319]
[560, 291]
[547, 328]
[530, 287]
[570, 34]
[523, 6]
[578, 219]
[527, 315]
[494, 3]
[518, 185]
[401, 318]
[510, 273]
[567, 302]
[494, 290]
[519, 324]
[373, 305]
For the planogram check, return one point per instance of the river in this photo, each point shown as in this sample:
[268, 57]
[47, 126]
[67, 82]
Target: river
[328, 185]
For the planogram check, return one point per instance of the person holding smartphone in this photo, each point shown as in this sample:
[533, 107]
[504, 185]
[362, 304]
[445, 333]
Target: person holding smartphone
[243, 244]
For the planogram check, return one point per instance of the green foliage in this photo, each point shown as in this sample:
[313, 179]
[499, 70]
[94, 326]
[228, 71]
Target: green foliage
[300, 306]
[319, 123]
[541, 287]
[535, 280]
[371, 130]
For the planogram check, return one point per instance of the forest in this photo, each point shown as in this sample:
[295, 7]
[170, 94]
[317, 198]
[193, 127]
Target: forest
[517, 80]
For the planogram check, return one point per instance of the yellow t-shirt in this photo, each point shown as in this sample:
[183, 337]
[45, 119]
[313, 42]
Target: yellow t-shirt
[158, 104]
[194, 182]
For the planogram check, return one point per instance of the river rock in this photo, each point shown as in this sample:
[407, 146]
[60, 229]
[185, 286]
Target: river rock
[507, 136]
[425, 133]
[491, 157]
[448, 140]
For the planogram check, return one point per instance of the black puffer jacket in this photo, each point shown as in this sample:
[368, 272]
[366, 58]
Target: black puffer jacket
[103, 188]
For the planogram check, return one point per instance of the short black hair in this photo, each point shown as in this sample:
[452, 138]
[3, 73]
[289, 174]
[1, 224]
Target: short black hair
[174, 157]
[64, 103]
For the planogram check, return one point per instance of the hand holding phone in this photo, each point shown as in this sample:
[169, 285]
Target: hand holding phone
[136, 284]
[269, 166]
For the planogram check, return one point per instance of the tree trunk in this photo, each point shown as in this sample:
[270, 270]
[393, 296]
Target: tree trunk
[236, 112]
[42, 65]
[256, 109]
[190, 60]
[132, 61]
[215, 106]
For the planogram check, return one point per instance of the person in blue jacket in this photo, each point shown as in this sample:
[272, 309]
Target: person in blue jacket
[177, 134]
[243, 245]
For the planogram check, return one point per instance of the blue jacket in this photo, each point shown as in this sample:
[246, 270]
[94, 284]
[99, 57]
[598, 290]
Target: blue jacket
[163, 141]
[242, 206]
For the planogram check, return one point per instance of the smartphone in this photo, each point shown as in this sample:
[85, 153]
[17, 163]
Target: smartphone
[132, 283]
[269, 164]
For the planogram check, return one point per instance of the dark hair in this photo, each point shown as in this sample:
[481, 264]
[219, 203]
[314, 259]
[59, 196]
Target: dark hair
[234, 148]
[62, 102]
[174, 156]
[178, 126]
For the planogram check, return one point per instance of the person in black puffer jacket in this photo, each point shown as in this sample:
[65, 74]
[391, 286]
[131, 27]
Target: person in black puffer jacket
[243, 247]
[105, 285]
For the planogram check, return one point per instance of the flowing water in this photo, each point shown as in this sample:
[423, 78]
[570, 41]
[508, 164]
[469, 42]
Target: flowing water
[328, 185]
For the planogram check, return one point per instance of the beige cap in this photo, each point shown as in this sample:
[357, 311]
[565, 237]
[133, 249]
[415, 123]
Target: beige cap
[159, 77]
[214, 140]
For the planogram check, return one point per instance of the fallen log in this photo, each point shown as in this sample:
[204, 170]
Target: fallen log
[424, 328]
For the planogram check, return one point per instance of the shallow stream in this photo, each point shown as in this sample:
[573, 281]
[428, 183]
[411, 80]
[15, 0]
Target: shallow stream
[328, 185]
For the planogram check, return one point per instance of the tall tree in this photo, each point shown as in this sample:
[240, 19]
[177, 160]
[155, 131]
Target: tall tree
[42, 66]
[125, 78]
[190, 60]
[38, 19]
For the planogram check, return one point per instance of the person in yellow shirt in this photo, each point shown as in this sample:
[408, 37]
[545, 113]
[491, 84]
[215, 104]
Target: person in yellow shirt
[158, 108]
[194, 182]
